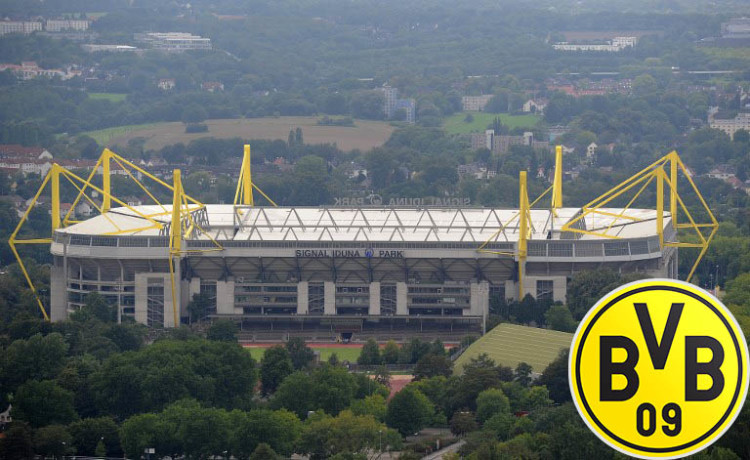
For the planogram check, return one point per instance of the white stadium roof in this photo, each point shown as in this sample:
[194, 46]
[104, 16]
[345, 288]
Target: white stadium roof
[427, 224]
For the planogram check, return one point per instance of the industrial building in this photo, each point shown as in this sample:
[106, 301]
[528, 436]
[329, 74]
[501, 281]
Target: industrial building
[349, 268]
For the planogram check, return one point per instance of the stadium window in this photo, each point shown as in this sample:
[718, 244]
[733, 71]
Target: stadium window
[544, 289]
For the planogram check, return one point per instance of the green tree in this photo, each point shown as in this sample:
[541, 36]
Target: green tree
[52, 440]
[555, 378]
[432, 365]
[263, 452]
[333, 389]
[738, 291]
[223, 330]
[500, 425]
[143, 431]
[193, 113]
[301, 354]
[127, 337]
[559, 318]
[390, 352]
[324, 436]
[42, 403]
[374, 405]
[523, 374]
[370, 354]
[409, 411]
[101, 449]
[294, 394]
[586, 287]
[275, 366]
[463, 422]
[491, 402]
[199, 305]
[539, 397]
[279, 429]
[312, 182]
[88, 433]
[38, 358]
[96, 307]
[17, 442]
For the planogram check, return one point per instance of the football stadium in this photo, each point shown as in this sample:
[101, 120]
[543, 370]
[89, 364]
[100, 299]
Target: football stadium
[320, 272]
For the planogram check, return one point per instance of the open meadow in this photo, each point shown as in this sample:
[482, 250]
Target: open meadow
[364, 135]
[457, 124]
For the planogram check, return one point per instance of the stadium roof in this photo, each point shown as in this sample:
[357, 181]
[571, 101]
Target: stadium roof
[427, 224]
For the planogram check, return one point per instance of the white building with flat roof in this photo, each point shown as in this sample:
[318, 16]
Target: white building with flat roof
[174, 41]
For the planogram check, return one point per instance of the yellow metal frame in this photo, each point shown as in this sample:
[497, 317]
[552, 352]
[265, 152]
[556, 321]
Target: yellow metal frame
[182, 206]
[525, 228]
[655, 172]
[245, 185]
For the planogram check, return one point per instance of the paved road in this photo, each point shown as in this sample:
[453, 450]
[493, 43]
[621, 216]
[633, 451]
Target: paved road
[442, 452]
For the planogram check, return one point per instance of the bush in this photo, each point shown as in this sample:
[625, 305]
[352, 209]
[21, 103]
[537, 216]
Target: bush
[196, 128]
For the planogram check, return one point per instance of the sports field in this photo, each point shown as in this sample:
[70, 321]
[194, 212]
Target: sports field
[112, 97]
[510, 344]
[456, 124]
[344, 352]
[364, 135]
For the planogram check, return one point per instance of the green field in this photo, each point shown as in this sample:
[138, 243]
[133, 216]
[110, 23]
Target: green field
[112, 97]
[344, 354]
[364, 135]
[103, 136]
[509, 344]
[456, 124]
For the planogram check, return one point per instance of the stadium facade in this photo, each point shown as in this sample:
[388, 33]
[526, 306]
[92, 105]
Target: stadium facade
[352, 267]
[355, 263]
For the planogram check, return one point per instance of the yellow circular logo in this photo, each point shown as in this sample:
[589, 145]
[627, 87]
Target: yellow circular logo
[658, 369]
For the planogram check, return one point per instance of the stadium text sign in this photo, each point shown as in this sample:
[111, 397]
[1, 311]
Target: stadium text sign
[658, 369]
[377, 200]
[351, 253]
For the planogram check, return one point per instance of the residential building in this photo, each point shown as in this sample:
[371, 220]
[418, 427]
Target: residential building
[58, 25]
[409, 106]
[29, 70]
[591, 152]
[392, 104]
[174, 41]
[731, 125]
[722, 172]
[615, 45]
[535, 106]
[390, 96]
[479, 171]
[19, 27]
[736, 28]
[166, 84]
[212, 86]
[109, 48]
[475, 103]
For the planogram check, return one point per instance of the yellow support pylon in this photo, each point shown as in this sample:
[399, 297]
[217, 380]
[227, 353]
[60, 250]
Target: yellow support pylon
[557, 196]
[654, 172]
[243, 195]
[523, 230]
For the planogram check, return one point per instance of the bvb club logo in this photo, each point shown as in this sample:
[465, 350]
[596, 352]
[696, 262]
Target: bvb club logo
[658, 369]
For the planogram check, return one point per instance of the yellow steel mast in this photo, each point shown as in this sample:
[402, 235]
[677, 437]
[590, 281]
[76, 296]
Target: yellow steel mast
[557, 197]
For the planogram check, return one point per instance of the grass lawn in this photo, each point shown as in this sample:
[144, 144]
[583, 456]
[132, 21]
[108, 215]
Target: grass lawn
[509, 344]
[344, 354]
[364, 135]
[112, 97]
[455, 124]
[103, 136]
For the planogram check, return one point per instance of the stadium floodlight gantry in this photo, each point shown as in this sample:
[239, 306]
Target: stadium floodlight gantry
[355, 265]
